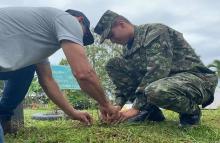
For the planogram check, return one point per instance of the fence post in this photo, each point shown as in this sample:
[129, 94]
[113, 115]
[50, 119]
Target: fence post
[16, 122]
[18, 117]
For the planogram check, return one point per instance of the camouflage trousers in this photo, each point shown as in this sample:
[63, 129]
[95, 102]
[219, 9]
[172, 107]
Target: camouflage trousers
[181, 92]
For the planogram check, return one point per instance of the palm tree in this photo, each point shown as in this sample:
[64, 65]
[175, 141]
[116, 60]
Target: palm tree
[216, 64]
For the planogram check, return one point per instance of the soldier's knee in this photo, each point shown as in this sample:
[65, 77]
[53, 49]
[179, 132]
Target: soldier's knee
[156, 93]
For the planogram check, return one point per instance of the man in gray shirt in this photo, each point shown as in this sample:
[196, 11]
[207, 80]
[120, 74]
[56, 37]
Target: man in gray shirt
[28, 36]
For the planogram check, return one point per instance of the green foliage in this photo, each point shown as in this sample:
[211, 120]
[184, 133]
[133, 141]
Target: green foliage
[35, 86]
[52, 106]
[35, 94]
[63, 62]
[80, 100]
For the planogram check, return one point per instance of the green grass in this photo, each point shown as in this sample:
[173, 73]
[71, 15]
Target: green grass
[149, 132]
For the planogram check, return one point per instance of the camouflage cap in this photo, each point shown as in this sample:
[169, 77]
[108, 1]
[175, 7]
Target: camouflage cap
[104, 25]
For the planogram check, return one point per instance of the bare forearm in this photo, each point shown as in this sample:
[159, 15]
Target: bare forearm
[84, 72]
[93, 88]
[53, 92]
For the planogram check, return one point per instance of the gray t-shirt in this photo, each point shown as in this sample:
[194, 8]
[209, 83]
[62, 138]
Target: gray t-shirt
[29, 35]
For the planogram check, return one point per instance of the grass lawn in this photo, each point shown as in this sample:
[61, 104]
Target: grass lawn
[67, 131]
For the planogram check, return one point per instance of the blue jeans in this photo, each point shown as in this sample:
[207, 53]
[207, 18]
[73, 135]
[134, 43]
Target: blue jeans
[16, 87]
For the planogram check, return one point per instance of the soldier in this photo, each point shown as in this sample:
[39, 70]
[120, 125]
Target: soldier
[158, 68]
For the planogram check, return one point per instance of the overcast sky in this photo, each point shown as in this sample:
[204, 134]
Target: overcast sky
[198, 20]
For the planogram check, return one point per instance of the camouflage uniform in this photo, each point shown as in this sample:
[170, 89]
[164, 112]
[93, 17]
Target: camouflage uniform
[162, 64]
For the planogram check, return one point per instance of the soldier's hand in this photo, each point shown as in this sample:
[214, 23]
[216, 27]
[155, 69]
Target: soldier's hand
[127, 114]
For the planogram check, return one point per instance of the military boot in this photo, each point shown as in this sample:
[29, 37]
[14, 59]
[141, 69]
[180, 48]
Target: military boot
[188, 120]
[151, 113]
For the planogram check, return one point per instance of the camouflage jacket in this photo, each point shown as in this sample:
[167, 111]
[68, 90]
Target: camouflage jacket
[159, 51]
